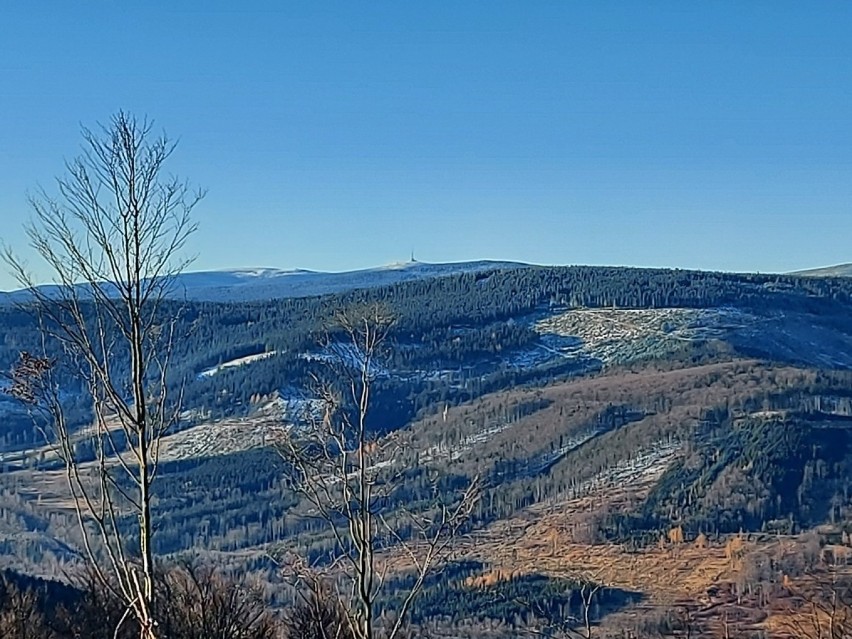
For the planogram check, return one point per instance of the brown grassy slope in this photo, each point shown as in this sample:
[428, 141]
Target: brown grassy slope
[546, 537]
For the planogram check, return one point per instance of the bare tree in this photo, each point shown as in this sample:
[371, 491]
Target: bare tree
[192, 601]
[21, 616]
[198, 602]
[113, 237]
[588, 591]
[318, 614]
[568, 626]
[347, 475]
[824, 606]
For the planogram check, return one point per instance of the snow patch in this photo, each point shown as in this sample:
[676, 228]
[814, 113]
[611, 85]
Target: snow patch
[240, 361]
[348, 355]
[647, 464]
[613, 335]
[256, 284]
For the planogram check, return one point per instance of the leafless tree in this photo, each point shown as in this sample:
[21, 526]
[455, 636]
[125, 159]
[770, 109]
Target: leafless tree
[97, 612]
[588, 591]
[198, 602]
[20, 613]
[569, 626]
[112, 236]
[192, 601]
[346, 474]
[319, 613]
[824, 606]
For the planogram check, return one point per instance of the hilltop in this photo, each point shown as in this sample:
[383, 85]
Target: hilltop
[840, 270]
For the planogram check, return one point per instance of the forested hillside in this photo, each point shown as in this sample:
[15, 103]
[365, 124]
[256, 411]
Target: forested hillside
[621, 412]
[459, 336]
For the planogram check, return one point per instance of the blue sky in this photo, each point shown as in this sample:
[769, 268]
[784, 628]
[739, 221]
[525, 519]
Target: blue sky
[334, 136]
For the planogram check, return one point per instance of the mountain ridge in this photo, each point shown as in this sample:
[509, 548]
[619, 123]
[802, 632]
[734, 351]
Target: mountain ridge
[838, 270]
[250, 284]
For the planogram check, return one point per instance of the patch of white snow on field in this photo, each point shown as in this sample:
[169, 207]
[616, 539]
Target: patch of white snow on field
[616, 334]
[646, 464]
[348, 355]
[240, 361]
[219, 438]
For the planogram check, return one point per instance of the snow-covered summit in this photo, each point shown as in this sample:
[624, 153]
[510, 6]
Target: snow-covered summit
[250, 284]
[263, 272]
[840, 270]
[264, 283]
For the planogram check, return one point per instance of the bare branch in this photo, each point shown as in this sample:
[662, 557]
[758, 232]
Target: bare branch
[344, 473]
[112, 236]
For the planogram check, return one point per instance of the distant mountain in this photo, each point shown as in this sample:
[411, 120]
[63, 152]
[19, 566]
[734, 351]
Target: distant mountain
[267, 283]
[257, 284]
[840, 270]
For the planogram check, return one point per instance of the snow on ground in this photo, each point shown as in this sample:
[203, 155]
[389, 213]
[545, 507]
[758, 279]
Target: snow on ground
[341, 353]
[287, 408]
[551, 347]
[547, 460]
[456, 450]
[240, 361]
[255, 284]
[268, 283]
[613, 335]
[219, 438]
[645, 465]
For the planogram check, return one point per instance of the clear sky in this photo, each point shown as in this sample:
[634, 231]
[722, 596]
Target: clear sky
[343, 135]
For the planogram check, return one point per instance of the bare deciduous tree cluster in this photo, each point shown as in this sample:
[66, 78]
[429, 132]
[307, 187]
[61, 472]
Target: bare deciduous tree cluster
[190, 602]
[347, 474]
[824, 606]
